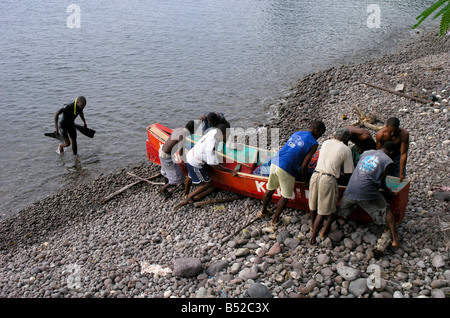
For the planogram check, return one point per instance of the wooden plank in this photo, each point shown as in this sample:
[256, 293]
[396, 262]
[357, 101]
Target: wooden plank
[397, 93]
[213, 201]
[147, 180]
[112, 195]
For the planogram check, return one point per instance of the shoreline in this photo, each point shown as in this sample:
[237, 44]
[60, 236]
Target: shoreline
[72, 245]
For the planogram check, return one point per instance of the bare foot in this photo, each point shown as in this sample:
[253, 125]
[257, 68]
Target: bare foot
[263, 213]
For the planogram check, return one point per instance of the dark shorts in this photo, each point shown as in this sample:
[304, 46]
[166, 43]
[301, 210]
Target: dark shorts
[67, 131]
[375, 208]
[198, 175]
[396, 168]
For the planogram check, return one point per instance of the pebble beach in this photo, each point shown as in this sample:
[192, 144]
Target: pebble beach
[73, 245]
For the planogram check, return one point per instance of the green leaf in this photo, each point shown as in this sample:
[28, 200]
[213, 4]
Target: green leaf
[444, 9]
[444, 13]
[445, 23]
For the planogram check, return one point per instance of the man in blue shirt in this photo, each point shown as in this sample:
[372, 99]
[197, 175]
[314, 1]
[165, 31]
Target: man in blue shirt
[291, 162]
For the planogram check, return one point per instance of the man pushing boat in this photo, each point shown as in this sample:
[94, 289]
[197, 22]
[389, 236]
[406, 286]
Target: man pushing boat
[170, 169]
[363, 189]
[400, 136]
[362, 140]
[290, 162]
[203, 154]
[335, 160]
[213, 119]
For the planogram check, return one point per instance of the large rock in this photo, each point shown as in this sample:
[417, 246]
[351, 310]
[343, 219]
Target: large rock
[187, 267]
[258, 290]
[348, 273]
[217, 267]
[323, 259]
[275, 249]
[438, 261]
[358, 287]
[249, 273]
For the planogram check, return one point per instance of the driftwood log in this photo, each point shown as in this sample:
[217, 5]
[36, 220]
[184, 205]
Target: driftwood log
[396, 93]
[213, 201]
[363, 120]
[241, 228]
[207, 202]
[112, 195]
[147, 180]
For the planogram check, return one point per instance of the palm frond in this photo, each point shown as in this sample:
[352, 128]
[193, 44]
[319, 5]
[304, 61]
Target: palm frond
[444, 9]
[445, 22]
[444, 13]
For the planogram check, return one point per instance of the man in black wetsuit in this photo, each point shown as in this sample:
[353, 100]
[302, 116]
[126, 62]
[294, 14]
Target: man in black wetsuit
[66, 124]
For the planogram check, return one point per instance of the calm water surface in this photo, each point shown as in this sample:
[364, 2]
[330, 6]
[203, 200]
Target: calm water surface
[140, 62]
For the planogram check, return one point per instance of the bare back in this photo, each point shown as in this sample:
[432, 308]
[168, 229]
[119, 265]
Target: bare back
[361, 137]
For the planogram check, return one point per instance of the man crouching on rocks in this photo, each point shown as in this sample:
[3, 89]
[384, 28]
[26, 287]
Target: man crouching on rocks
[362, 189]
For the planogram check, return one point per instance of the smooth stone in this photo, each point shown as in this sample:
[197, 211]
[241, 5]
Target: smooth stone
[248, 273]
[438, 261]
[349, 243]
[348, 273]
[335, 235]
[437, 293]
[370, 238]
[213, 269]
[241, 252]
[201, 293]
[323, 259]
[257, 290]
[309, 287]
[187, 267]
[275, 249]
[358, 287]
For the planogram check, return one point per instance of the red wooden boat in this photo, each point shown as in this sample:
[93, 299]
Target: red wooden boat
[254, 186]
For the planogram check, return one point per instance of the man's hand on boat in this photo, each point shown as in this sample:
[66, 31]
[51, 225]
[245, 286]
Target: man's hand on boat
[234, 173]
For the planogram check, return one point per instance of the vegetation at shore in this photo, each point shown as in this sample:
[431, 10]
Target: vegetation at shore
[444, 13]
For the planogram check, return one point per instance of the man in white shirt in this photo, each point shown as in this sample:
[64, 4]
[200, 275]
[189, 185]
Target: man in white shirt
[204, 153]
[335, 156]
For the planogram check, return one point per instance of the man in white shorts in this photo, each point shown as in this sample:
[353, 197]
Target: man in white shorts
[335, 157]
